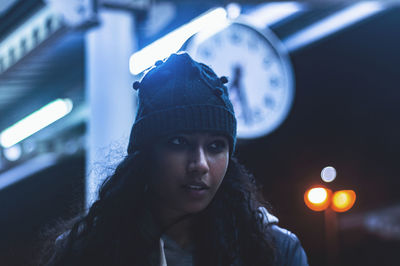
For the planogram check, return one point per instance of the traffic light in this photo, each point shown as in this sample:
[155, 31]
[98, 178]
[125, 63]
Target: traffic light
[343, 200]
[318, 198]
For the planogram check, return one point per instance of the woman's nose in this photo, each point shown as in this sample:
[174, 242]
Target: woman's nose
[198, 161]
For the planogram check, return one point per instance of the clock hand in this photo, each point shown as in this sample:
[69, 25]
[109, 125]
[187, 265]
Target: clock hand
[237, 86]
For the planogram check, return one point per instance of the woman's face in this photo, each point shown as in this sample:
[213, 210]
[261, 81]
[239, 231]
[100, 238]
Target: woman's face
[188, 171]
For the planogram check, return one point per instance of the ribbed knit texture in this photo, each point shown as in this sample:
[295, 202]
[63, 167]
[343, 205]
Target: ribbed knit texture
[181, 95]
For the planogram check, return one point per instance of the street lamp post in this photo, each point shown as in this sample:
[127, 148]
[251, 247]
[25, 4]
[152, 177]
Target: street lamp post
[320, 198]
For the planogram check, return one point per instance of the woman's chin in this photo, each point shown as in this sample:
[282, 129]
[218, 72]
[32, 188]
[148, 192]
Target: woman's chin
[195, 207]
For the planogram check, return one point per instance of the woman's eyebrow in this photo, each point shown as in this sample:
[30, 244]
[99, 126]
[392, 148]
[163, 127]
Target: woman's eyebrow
[218, 136]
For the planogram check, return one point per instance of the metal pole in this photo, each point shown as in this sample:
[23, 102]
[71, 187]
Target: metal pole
[108, 90]
[331, 237]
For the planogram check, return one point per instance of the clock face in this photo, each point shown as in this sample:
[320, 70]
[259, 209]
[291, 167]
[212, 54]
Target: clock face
[259, 73]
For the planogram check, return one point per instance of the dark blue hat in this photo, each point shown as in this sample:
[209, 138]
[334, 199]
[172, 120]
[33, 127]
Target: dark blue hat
[181, 95]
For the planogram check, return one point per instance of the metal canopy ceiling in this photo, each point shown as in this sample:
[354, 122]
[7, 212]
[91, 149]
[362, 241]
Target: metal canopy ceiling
[55, 68]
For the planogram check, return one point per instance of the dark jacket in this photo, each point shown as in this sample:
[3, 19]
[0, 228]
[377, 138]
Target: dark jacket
[289, 251]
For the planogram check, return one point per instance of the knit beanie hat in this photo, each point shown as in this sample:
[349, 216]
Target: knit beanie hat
[181, 95]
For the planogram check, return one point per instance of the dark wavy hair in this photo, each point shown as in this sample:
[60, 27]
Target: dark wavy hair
[118, 229]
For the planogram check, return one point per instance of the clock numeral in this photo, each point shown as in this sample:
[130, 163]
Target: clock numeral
[257, 117]
[235, 38]
[274, 82]
[217, 40]
[269, 102]
[252, 45]
[206, 53]
[267, 63]
[239, 116]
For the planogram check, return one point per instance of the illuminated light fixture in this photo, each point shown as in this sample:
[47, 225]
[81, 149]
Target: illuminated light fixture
[318, 198]
[343, 200]
[13, 153]
[328, 174]
[271, 13]
[233, 10]
[173, 41]
[35, 122]
[332, 24]
[26, 37]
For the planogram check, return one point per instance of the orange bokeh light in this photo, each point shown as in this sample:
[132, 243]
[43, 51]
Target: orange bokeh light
[343, 200]
[318, 198]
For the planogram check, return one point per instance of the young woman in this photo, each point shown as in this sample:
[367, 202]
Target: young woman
[179, 197]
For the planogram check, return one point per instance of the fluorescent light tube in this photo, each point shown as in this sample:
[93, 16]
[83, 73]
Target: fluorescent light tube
[270, 13]
[332, 24]
[171, 42]
[35, 122]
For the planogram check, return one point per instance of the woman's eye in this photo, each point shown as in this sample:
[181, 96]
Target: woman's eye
[176, 141]
[218, 146]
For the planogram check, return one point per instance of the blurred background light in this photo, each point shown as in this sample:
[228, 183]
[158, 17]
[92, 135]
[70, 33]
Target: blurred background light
[71, 146]
[35, 122]
[173, 41]
[328, 174]
[29, 146]
[270, 13]
[333, 23]
[233, 10]
[13, 153]
[317, 198]
[383, 222]
[343, 200]
[317, 195]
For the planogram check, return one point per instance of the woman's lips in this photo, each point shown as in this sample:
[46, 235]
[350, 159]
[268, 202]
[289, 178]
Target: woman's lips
[195, 187]
[196, 190]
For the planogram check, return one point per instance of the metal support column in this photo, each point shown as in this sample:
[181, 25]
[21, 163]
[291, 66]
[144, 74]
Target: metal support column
[108, 90]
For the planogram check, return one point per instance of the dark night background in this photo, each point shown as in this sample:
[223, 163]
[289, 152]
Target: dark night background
[345, 114]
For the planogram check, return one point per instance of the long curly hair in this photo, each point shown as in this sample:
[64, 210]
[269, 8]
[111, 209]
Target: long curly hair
[118, 229]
